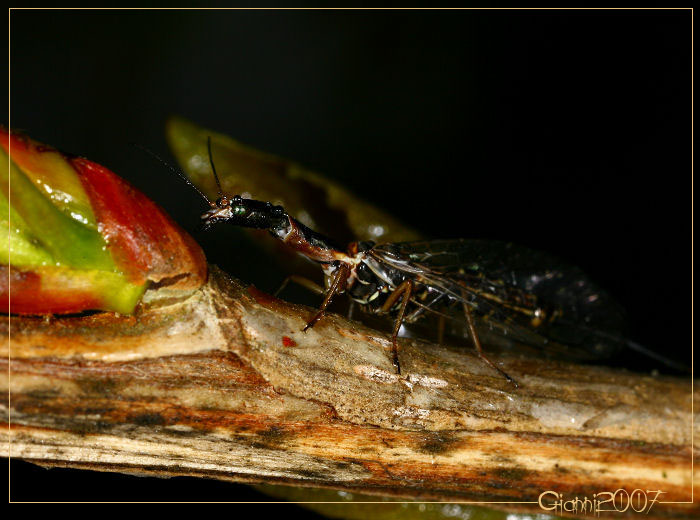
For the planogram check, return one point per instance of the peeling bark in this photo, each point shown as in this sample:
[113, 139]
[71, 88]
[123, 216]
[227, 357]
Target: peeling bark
[222, 383]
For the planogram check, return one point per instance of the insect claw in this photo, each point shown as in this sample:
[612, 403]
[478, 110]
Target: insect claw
[397, 364]
[510, 379]
[313, 321]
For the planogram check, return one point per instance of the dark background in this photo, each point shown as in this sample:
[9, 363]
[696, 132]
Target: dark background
[564, 131]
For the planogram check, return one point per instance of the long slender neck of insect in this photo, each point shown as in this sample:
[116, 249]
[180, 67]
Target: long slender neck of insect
[306, 241]
[257, 214]
[263, 215]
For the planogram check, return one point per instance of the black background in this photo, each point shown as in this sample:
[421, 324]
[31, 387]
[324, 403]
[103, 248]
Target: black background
[565, 131]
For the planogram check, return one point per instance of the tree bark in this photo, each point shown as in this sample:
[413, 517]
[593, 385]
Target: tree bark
[222, 383]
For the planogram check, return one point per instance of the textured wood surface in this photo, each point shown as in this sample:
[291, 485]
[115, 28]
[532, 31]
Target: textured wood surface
[222, 383]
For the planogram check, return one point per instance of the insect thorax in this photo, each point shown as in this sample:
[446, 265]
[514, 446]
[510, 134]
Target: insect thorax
[370, 282]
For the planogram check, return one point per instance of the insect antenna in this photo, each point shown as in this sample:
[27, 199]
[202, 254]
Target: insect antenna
[177, 171]
[213, 168]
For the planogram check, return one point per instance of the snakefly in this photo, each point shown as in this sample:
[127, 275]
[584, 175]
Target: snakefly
[511, 294]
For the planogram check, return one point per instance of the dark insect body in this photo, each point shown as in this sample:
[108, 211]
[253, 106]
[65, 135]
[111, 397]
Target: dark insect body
[511, 294]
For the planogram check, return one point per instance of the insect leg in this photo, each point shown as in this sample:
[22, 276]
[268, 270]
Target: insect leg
[477, 342]
[337, 285]
[441, 330]
[405, 289]
[351, 309]
[304, 282]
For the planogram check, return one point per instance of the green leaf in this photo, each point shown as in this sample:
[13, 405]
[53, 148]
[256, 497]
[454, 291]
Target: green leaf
[21, 246]
[62, 258]
[66, 240]
[314, 200]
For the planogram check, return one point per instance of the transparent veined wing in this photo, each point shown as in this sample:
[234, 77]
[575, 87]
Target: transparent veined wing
[523, 296]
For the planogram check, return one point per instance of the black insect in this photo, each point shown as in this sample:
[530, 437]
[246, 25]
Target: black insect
[512, 294]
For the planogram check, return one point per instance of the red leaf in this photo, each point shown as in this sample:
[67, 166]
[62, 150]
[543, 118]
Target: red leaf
[30, 296]
[145, 242]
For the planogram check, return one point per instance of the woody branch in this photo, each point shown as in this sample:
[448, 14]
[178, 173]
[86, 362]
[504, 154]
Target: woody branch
[222, 383]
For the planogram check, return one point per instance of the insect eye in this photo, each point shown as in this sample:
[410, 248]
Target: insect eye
[238, 210]
[222, 202]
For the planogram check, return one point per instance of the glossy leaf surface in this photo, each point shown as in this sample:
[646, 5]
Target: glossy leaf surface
[317, 202]
[81, 238]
